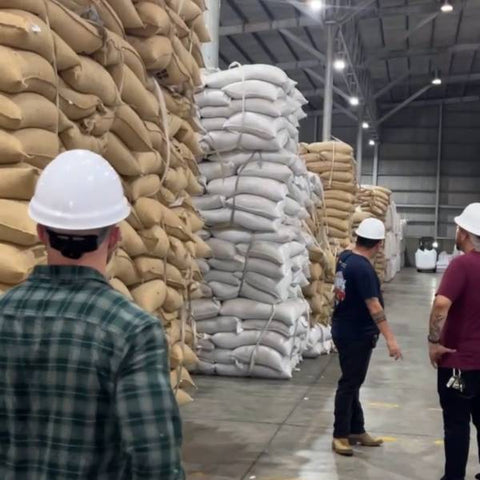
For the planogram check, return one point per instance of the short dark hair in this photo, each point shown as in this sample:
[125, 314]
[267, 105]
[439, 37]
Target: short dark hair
[367, 243]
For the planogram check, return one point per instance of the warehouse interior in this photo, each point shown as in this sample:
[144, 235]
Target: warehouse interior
[393, 50]
[252, 139]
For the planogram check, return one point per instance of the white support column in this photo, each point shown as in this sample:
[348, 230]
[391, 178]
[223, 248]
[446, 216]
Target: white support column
[439, 168]
[328, 96]
[375, 164]
[359, 153]
[212, 19]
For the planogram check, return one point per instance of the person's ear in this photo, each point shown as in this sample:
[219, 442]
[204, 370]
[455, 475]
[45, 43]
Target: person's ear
[42, 234]
[114, 238]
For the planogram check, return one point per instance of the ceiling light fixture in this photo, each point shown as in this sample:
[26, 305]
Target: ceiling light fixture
[339, 64]
[316, 5]
[371, 143]
[447, 7]
[365, 125]
[436, 78]
[354, 101]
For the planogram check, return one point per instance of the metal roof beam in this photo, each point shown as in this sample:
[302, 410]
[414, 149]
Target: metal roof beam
[352, 45]
[428, 8]
[439, 101]
[387, 54]
[405, 103]
[267, 26]
[390, 85]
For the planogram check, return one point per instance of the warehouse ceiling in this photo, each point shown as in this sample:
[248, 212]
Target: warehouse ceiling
[393, 48]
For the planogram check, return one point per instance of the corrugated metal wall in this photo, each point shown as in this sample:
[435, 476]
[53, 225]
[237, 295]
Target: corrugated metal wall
[408, 161]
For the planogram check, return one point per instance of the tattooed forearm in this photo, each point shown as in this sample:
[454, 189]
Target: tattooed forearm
[379, 317]
[437, 320]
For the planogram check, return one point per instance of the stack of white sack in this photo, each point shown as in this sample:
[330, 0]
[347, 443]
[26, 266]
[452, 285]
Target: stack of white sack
[393, 242]
[255, 204]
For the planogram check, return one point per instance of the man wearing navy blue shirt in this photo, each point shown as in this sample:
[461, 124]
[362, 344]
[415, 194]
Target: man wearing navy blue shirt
[358, 320]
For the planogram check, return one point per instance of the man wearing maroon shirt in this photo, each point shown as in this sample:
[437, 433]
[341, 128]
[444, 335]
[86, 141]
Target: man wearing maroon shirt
[454, 344]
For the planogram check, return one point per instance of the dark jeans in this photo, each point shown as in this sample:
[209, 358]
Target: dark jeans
[354, 361]
[458, 410]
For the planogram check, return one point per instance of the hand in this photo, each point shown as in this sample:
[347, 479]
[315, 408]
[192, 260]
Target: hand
[394, 350]
[436, 352]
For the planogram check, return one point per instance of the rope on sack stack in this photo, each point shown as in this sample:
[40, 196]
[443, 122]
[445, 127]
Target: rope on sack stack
[164, 114]
[259, 341]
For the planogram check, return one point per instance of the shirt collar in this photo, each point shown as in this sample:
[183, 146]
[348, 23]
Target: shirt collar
[66, 273]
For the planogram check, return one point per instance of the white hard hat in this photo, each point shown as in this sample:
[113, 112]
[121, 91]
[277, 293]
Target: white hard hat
[469, 220]
[79, 190]
[372, 229]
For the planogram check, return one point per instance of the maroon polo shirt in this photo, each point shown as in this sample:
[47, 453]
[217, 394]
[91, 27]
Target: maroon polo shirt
[461, 285]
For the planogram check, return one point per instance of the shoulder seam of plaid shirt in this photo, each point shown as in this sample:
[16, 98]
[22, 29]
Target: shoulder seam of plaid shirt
[84, 383]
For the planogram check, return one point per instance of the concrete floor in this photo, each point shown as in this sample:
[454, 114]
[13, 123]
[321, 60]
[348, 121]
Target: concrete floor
[244, 429]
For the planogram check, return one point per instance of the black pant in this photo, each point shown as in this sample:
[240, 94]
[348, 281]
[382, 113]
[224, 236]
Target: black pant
[354, 361]
[458, 409]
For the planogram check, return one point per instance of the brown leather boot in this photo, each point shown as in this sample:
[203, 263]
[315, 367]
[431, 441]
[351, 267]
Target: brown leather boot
[366, 440]
[342, 447]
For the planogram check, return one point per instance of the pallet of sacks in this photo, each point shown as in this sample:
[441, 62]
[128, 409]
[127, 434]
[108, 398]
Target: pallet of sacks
[117, 78]
[375, 201]
[393, 242]
[322, 272]
[334, 163]
[254, 204]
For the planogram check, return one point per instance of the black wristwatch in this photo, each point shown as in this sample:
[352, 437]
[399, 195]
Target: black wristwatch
[431, 340]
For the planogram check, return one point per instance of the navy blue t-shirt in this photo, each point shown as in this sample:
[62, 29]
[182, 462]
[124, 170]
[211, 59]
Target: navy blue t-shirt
[355, 282]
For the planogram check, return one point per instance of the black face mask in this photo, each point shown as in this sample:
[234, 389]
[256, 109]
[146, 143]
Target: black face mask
[75, 246]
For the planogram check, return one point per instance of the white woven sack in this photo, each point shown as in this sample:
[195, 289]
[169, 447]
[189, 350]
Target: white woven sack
[257, 205]
[209, 202]
[287, 312]
[258, 371]
[215, 325]
[253, 89]
[264, 357]
[231, 341]
[269, 269]
[250, 221]
[219, 141]
[236, 235]
[226, 265]
[255, 124]
[205, 368]
[281, 173]
[215, 123]
[230, 186]
[223, 277]
[267, 73]
[202, 309]
[213, 170]
[258, 105]
[280, 289]
[223, 249]
[286, 330]
[223, 291]
[212, 98]
[276, 253]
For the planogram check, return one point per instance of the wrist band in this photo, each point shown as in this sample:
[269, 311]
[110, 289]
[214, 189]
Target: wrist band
[431, 340]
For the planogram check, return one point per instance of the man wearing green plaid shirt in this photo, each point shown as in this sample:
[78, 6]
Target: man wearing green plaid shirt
[84, 376]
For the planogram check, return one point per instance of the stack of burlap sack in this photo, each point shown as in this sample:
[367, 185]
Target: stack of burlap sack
[254, 206]
[322, 272]
[334, 163]
[115, 77]
[375, 201]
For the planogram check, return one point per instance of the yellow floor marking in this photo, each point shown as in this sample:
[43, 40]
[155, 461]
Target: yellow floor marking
[438, 442]
[389, 439]
[383, 405]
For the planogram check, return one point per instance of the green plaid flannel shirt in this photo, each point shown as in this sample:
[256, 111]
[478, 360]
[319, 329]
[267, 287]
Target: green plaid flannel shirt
[84, 384]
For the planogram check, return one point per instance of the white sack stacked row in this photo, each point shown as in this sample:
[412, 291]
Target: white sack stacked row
[394, 242]
[375, 201]
[334, 163]
[254, 205]
[77, 74]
